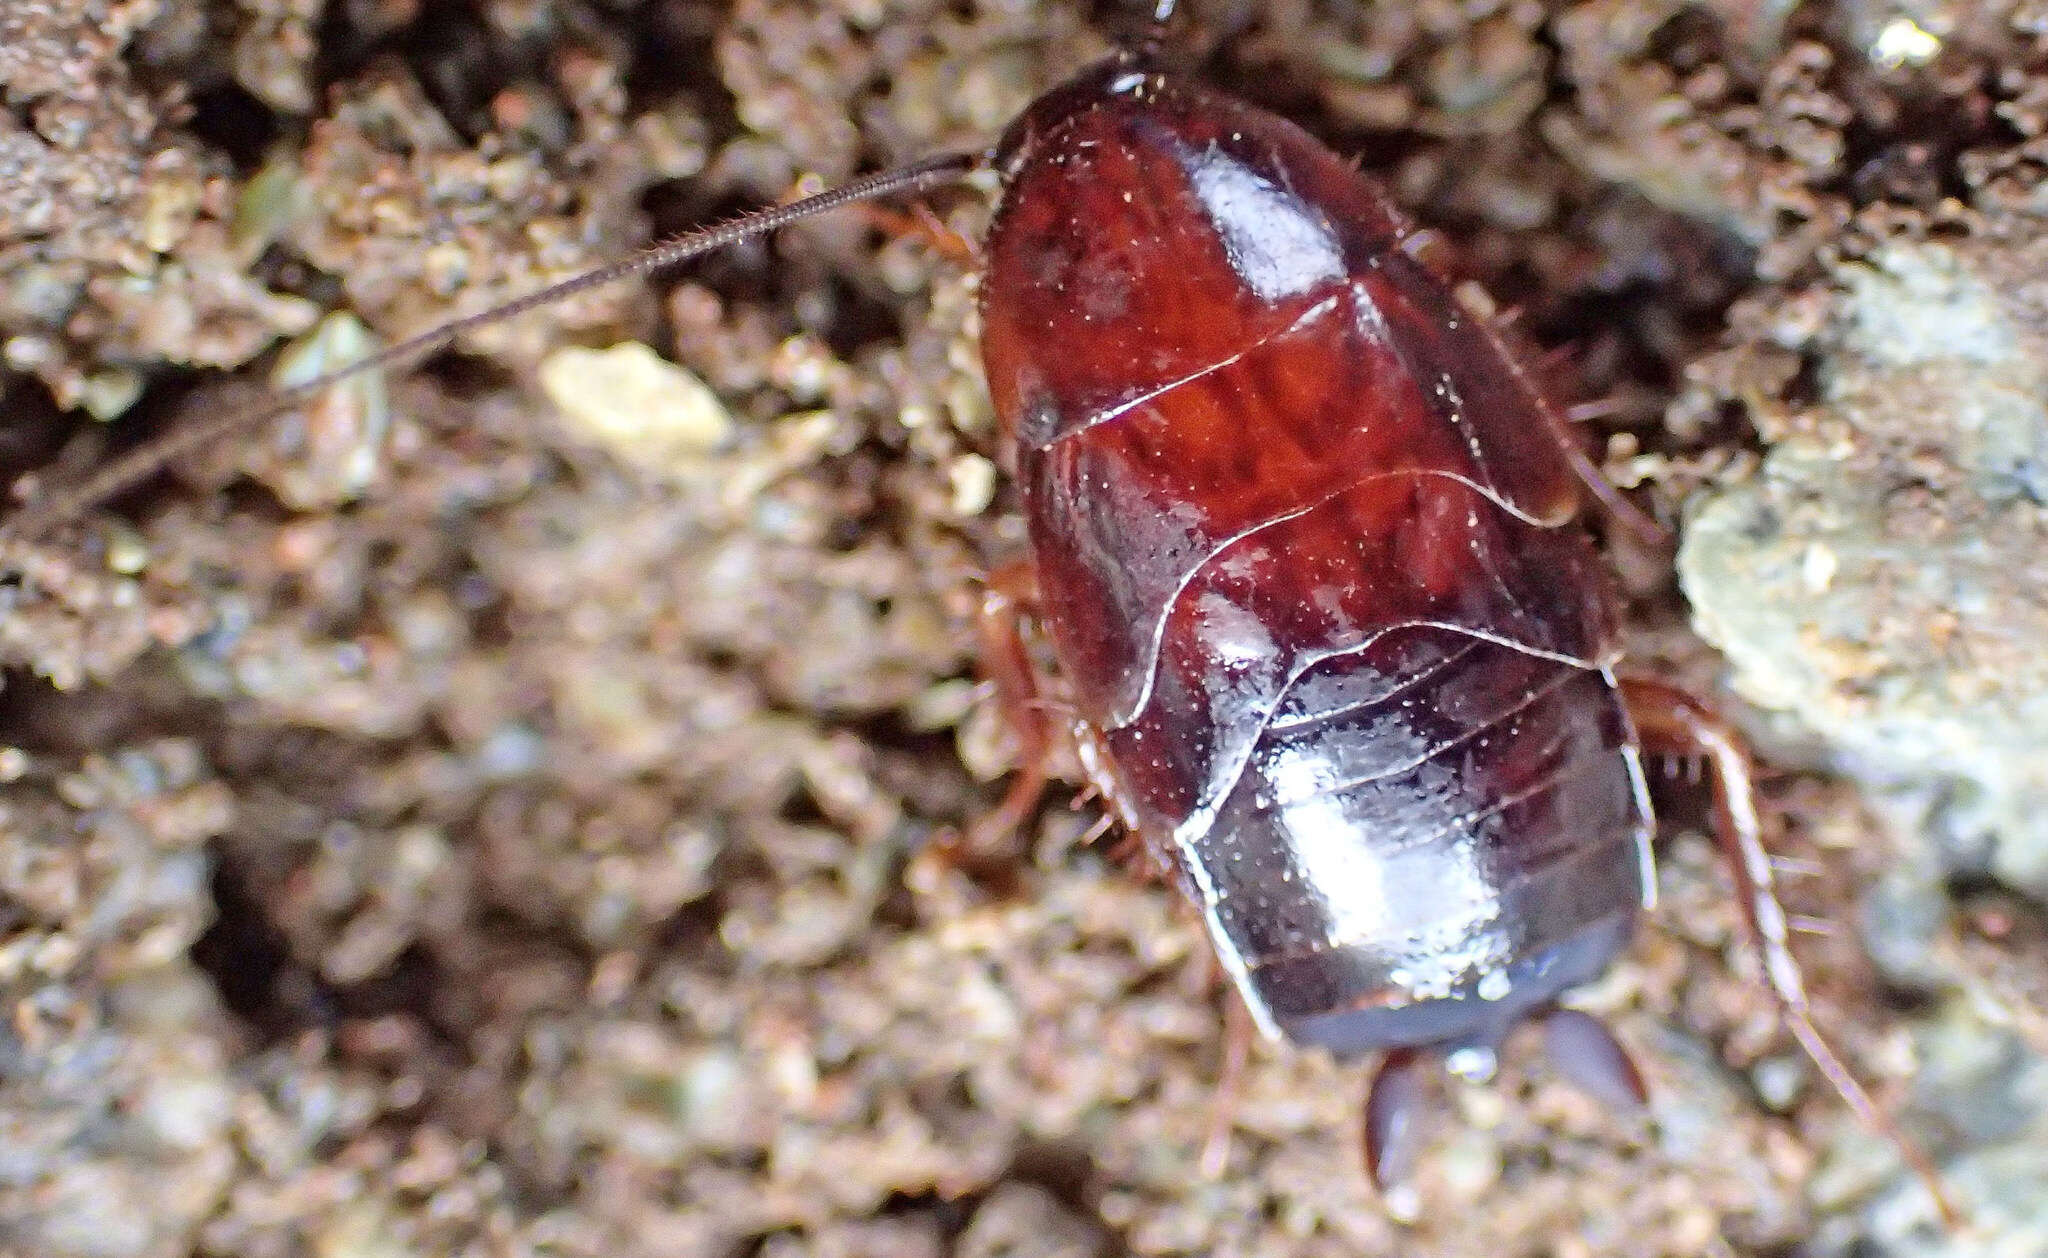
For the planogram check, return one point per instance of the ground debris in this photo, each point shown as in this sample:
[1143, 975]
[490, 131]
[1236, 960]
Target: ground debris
[500, 846]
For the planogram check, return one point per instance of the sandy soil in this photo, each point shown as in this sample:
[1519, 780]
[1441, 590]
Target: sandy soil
[448, 823]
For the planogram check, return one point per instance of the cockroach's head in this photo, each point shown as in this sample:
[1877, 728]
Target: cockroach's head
[1124, 76]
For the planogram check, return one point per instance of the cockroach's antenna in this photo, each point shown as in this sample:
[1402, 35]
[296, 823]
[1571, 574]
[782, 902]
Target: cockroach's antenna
[38, 518]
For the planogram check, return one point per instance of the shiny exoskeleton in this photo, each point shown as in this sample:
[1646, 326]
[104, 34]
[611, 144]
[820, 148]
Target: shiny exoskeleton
[1307, 548]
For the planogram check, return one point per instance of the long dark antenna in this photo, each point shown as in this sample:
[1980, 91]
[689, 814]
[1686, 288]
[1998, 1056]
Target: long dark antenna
[131, 469]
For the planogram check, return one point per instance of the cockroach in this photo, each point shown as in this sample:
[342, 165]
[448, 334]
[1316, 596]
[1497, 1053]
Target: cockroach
[1306, 543]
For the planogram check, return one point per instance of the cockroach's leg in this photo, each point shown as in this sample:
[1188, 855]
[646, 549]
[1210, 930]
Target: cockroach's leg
[1592, 409]
[1048, 738]
[1563, 425]
[1009, 594]
[1628, 515]
[1129, 850]
[919, 223]
[1673, 721]
[1237, 1050]
[984, 849]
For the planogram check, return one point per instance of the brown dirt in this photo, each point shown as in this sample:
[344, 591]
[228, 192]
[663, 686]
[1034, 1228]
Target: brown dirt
[515, 858]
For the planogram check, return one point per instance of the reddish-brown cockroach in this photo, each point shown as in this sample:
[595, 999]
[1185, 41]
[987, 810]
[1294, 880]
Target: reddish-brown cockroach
[1305, 541]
